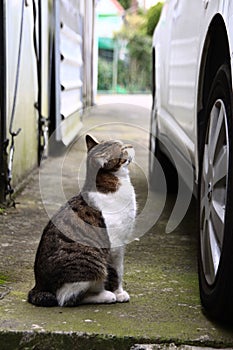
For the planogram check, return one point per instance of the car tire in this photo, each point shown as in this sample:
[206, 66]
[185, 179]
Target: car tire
[215, 253]
[156, 156]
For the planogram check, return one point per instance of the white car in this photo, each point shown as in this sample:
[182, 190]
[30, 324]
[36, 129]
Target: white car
[192, 120]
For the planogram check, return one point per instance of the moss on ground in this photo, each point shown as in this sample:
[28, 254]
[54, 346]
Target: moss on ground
[164, 304]
[160, 275]
[2, 211]
[3, 279]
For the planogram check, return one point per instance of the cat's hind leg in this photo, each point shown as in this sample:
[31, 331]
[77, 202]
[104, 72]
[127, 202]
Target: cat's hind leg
[71, 294]
[97, 294]
[103, 297]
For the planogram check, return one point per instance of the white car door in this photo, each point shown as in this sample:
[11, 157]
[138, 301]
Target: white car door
[177, 120]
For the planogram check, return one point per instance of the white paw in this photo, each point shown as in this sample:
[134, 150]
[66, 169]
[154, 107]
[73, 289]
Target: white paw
[109, 297]
[122, 296]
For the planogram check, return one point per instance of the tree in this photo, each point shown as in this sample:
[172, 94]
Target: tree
[104, 74]
[139, 47]
[134, 73]
[125, 3]
[153, 15]
[133, 50]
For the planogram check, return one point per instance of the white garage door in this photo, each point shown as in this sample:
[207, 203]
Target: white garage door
[69, 63]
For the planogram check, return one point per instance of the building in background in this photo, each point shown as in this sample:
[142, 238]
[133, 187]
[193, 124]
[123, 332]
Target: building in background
[110, 15]
[46, 71]
[109, 20]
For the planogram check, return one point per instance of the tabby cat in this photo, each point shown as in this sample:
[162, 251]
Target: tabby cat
[80, 256]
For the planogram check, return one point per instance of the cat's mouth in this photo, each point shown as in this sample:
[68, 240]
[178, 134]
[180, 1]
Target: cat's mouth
[128, 161]
[128, 154]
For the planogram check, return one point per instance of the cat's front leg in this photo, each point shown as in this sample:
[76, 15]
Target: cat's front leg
[117, 262]
[121, 295]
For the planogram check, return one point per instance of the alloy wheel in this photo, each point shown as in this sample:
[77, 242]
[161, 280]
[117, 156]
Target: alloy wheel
[214, 191]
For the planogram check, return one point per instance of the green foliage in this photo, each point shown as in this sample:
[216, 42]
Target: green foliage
[2, 211]
[133, 68]
[134, 23]
[104, 74]
[139, 47]
[153, 15]
[125, 3]
[134, 73]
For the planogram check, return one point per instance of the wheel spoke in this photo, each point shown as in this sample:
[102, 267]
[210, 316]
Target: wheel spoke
[204, 205]
[215, 252]
[206, 164]
[208, 264]
[215, 129]
[211, 251]
[217, 218]
[205, 172]
[221, 165]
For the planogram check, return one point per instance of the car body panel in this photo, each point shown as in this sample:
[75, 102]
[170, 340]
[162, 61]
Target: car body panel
[179, 42]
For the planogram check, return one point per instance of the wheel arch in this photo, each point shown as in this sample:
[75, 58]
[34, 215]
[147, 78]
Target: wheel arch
[216, 51]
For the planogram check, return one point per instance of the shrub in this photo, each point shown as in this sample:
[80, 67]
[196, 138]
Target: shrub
[125, 3]
[104, 74]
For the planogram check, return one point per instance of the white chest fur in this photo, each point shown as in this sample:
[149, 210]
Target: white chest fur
[118, 210]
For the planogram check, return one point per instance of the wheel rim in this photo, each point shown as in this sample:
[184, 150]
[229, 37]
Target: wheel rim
[214, 191]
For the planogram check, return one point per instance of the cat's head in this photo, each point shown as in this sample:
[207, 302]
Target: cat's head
[109, 155]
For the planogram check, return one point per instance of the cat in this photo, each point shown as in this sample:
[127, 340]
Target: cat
[80, 256]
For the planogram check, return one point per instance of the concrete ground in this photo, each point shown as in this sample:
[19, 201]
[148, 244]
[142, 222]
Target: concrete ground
[160, 268]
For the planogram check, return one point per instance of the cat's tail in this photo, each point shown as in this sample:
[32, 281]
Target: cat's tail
[41, 298]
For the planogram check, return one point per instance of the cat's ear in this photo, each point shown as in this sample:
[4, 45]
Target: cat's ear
[91, 142]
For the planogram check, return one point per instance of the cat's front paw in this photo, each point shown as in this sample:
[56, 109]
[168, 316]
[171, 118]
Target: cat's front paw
[122, 296]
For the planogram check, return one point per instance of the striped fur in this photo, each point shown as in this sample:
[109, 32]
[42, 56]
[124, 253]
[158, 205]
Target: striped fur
[80, 256]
